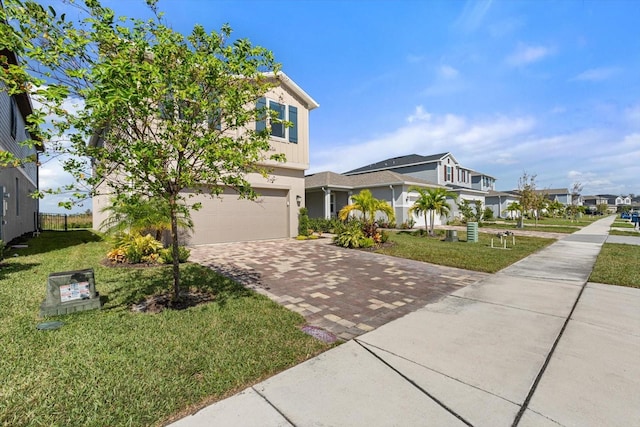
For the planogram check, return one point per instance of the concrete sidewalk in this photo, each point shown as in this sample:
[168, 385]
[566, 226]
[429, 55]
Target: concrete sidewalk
[534, 345]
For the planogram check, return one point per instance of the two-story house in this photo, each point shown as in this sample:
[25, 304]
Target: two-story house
[275, 213]
[328, 192]
[18, 210]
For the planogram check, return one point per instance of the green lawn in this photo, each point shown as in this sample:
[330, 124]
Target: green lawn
[472, 256]
[624, 233]
[623, 224]
[618, 265]
[112, 367]
[543, 227]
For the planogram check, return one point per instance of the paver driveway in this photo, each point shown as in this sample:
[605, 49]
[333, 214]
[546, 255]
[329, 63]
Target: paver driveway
[347, 292]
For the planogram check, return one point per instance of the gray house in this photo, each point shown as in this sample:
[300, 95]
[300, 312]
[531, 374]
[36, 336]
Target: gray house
[18, 210]
[327, 192]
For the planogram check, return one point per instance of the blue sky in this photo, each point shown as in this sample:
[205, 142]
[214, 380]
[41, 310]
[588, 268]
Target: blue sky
[547, 87]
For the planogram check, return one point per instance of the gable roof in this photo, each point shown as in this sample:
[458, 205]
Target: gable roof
[286, 81]
[396, 162]
[363, 180]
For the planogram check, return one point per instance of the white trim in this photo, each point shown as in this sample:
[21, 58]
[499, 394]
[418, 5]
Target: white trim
[286, 80]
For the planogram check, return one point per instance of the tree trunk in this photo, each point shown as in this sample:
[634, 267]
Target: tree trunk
[175, 247]
[433, 219]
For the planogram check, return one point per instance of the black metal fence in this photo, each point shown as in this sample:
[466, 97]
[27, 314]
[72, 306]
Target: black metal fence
[64, 222]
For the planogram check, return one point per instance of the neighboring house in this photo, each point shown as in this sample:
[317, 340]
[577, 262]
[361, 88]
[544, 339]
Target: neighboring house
[18, 210]
[561, 195]
[328, 192]
[442, 169]
[623, 201]
[439, 170]
[275, 213]
[591, 202]
[499, 201]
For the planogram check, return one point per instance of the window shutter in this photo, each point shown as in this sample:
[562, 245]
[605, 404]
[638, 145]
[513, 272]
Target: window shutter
[260, 106]
[293, 130]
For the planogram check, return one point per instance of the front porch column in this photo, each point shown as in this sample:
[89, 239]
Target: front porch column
[327, 203]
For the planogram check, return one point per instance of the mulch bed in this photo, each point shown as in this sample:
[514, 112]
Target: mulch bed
[160, 302]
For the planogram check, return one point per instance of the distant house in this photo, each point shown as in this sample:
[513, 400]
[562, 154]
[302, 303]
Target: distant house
[275, 214]
[18, 210]
[391, 179]
[328, 192]
[561, 195]
[499, 201]
[591, 203]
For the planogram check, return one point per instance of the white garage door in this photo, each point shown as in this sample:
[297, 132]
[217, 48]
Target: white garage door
[228, 219]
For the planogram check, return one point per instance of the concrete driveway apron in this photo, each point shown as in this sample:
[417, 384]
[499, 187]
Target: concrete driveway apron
[346, 292]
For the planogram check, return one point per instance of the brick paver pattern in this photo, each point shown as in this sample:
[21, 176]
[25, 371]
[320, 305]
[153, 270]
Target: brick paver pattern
[347, 292]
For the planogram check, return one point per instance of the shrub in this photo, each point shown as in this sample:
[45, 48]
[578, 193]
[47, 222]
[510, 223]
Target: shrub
[323, 225]
[3, 247]
[366, 242]
[488, 214]
[134, 248]
[166, 255]
[351, 236]
[384, 236]
[387, 224]
[303, 222]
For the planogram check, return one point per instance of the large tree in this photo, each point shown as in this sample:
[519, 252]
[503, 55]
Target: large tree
[431, 201]
[165, 112]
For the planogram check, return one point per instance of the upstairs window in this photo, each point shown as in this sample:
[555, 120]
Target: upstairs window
[282, 113]
[448, 173]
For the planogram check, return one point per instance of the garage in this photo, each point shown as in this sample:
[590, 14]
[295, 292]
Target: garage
[229, 219]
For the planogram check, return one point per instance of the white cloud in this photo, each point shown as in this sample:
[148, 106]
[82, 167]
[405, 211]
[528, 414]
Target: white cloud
[472, 15]
[503, 146]
[597, 74]
[419, 115]
[525, 55]
[632, 115]
[448, 72]
[426, 133]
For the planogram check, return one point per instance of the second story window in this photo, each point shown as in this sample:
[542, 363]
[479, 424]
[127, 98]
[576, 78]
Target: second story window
[448, 173]
[281, 113]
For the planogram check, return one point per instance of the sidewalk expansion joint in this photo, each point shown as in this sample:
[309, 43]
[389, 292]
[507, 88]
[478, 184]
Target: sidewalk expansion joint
[361, 342]
[506, 306]
[534, 386]
[416, 385]
[274, 407]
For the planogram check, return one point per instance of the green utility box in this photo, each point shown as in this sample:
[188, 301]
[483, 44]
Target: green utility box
[70, 291]
[472, 232]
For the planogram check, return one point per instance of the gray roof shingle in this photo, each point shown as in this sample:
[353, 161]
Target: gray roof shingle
[395, 162]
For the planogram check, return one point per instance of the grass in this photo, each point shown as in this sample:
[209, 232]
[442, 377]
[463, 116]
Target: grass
[624, 233]
[471, 256]
[623, 224]
[511, 225]
[116, 367]
[617, 265]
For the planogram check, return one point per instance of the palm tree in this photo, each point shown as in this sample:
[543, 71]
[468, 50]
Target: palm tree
[516, 207]
[432, 201]
[368, 205]
[136, 214]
